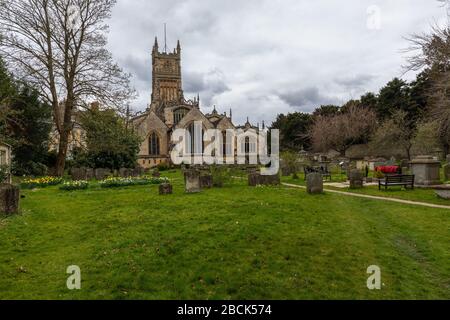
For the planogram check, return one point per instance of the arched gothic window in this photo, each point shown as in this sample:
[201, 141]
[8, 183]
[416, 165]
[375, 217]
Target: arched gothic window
[153, 145]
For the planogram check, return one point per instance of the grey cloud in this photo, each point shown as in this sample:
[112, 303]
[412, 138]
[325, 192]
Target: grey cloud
[138, 67]
[358, 81]
[208, 85]
[306, 98]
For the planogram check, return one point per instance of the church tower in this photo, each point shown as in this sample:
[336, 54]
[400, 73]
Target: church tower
[166, 83]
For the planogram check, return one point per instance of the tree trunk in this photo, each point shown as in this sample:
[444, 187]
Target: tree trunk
[64, 136]
[62, 153]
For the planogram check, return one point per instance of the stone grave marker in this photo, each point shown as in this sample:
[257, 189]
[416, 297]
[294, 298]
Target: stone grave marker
[356, 179]
[90, 174]
[206, 181]
[192, 181]
[314, 183]
[78, 174]
[9, 199]
[165, 188]
[101, 173]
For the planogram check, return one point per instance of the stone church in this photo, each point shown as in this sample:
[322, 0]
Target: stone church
[169, 110]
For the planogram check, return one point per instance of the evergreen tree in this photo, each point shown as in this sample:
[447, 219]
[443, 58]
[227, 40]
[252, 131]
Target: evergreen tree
[109, 143]
[294, 129]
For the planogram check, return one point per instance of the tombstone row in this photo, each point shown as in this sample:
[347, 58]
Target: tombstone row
[102, 173]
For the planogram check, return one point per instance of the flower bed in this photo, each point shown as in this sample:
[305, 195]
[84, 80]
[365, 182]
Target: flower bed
[124, 182]
[74, 185]
[41, 182]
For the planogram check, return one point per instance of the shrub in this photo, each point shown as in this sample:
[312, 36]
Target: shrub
[124, 182]
[41, 182]
[163, 166]
[378, 174]
[221, 175]
[75, 185]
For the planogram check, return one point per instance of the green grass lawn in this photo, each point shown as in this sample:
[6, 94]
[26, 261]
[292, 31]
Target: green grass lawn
[232, 243]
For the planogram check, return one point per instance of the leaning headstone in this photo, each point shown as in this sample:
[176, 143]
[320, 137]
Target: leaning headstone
[78, 174]
[447, 158]
[9, 199]
[206, 181]
[446, 168]
[356, 179]
[192, 181]
[102, 174]
[165, 188]
[314, 183]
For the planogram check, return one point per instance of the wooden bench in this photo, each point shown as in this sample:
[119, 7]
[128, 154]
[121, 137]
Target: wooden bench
[397, 180]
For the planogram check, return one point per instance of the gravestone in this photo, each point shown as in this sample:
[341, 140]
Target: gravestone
[257, 179]
[206, 181]
[270, 180]
[137, 172]
[165, 188]
[101, 173]
[90, 174]
[78, 174]
[426, 170]
[356, 179]
[192, 181]
[125, 172]
[314, 183]
[9, 199]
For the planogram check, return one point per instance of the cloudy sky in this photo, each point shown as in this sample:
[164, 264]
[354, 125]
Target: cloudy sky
[265, 57]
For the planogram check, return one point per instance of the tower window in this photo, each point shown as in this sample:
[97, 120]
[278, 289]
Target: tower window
[153, 145]
[179, 114]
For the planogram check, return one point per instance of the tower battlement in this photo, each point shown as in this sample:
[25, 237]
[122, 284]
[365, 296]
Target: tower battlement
[167, 81]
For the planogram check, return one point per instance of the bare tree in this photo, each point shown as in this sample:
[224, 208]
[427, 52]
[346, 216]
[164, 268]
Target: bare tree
[431, 51]
[397, 132]
[59, 47]
[341, 131]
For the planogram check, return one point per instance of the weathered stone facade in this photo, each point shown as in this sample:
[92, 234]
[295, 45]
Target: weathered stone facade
[169, 110]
